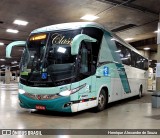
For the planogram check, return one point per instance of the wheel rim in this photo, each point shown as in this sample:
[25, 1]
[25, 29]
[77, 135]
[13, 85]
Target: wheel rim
[101, 101]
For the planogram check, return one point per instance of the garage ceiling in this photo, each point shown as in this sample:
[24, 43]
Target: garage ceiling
[135, 19]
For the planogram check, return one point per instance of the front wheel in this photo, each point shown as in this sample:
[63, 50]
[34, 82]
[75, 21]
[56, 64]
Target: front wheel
[102, 101]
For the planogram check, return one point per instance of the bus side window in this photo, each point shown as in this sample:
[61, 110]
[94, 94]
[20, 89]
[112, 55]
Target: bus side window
[85, 58]
[84, 61]
[146, 64]
[124, 53]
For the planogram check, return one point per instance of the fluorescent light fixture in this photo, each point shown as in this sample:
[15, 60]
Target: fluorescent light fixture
[14, 62]
[118, 51]
[1, 44]
[61, 50]
[124, 58]
[113, 39]
[128, 39]
[2, 65]
[15, 66]
[20, 22]
[157, 31]
[89, 17]
[146, 48]
[2, 59]
[21, 50]
[12, 31]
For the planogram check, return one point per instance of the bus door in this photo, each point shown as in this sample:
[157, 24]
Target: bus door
[86, 71]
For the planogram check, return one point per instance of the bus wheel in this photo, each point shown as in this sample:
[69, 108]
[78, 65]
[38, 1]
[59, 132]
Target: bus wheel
[140, 92]
[101, 101]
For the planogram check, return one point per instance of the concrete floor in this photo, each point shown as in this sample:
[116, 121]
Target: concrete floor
[127, 114]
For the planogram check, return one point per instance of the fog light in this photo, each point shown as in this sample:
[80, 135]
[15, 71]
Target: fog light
[67, 104]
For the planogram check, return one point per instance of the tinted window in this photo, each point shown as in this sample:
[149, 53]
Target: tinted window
[95, 47]
[139, 62]
[124, 53]
[129, 57]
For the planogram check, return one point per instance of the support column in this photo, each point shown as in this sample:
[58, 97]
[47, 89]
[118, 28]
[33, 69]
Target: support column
[158, 61]
[158, 55]
[7, 75]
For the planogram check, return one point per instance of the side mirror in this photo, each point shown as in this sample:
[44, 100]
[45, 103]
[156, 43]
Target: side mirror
[9, 47]
[77, 41]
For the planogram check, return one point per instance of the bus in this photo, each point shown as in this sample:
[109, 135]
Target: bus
[76, 66]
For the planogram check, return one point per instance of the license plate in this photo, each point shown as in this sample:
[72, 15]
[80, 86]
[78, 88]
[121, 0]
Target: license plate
[40, 107]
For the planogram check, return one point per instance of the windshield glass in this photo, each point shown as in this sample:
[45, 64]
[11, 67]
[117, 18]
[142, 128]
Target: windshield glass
[49, 53]
[47, 59]
[60, 62]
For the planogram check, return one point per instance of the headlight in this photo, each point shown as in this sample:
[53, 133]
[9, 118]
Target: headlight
[65, 93]
[69, 92]
[21, 91]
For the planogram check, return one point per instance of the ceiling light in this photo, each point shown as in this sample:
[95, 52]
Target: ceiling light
[61, 50]
[21, 50]
[1, 44]
[12, 31]
[2, 59]
[146, 48]
[118, 51]
[20, 22]
[14, 62]
[157, 31]
[113, 39]
[89, 17]
[2, 65]
[128, 39]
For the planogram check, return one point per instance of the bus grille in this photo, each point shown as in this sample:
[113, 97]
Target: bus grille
[42, 96]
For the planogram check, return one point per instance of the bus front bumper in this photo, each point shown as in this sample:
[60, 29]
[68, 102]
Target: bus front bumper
[52, 104]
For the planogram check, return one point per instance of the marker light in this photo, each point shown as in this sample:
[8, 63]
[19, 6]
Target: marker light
[38, 37]
[61, 50]
[21, 91]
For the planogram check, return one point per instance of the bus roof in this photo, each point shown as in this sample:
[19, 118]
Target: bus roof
[76, 25]
[64, 26]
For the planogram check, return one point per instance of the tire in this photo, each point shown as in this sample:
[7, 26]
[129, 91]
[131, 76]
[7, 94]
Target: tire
[102, 101]
[140, 92]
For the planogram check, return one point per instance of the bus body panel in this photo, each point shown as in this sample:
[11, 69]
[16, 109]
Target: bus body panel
[122, 81]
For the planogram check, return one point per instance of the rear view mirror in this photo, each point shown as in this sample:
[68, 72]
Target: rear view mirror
[9, 47]
[77, 41]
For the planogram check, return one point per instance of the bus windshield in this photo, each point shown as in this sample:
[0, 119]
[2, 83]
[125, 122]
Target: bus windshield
[47, 59]
[49, 53]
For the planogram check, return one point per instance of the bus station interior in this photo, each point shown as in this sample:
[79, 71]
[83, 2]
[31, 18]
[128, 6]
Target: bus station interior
[135, 21]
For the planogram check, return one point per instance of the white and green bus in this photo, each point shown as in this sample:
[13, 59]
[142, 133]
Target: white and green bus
[75, 66]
